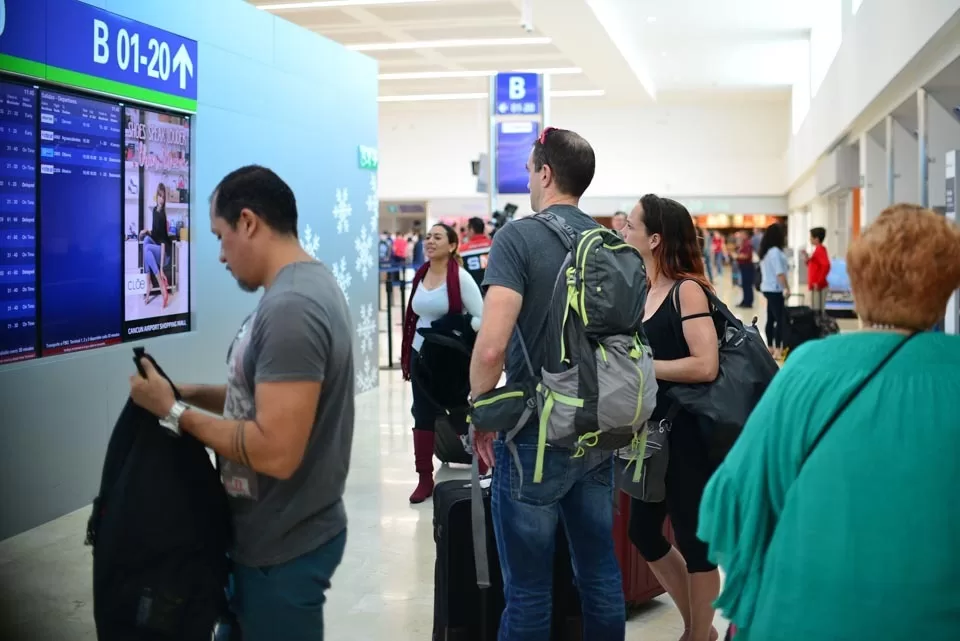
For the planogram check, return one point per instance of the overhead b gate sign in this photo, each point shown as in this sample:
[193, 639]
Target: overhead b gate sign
[72, 43]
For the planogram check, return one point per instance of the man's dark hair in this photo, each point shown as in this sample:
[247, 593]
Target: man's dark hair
[619, 213]
[476, 225]
[261, 191]
[819, 233]
[569, 156]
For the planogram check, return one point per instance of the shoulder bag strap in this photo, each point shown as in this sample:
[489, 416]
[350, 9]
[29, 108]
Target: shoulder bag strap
[558, 226]
[850, 398]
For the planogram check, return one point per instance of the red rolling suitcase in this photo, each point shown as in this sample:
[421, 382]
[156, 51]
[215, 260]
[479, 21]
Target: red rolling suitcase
[639, 583]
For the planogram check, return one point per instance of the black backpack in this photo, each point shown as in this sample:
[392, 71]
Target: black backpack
[746, 370]
[160, 532]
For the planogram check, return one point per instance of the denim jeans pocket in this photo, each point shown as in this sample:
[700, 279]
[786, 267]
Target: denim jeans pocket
[557, 470]
[603, 473]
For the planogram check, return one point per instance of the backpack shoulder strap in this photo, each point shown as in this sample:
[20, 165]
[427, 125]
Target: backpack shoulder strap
[559, 226]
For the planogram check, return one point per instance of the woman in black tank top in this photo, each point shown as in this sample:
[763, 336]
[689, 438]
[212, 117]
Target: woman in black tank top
[680, 330]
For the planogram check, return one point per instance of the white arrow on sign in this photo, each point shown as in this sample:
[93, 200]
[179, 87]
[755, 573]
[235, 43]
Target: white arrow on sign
[183, 62]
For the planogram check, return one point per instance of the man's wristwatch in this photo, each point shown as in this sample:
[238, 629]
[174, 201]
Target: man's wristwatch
[172, 420]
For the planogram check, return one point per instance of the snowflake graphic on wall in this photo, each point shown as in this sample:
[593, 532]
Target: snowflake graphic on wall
[310, 242]
[373, 205]
[342, 211]
[366, 377]
[344, 278]
[366, 328]
[364, 246]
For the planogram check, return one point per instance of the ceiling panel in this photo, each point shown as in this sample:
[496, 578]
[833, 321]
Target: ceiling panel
[445, 32]
[513, 53]
[448, 9]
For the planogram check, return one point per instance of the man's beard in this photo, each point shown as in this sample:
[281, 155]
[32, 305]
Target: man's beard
[245, 287]
[241, 284]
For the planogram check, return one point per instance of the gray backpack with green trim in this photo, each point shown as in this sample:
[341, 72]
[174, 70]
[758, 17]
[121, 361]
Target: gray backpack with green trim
[597, 387]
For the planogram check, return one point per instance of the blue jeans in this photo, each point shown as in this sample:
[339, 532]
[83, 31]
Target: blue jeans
[151, 257]
[579, 492]
[286, 601]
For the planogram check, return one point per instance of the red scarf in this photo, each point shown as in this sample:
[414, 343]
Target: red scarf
[410, 319]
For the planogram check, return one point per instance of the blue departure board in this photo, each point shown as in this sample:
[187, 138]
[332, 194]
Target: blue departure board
[81, 295]
[18, 223]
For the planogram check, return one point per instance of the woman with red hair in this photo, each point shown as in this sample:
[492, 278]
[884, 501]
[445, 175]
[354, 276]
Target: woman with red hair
[835, 515]
[681, 331]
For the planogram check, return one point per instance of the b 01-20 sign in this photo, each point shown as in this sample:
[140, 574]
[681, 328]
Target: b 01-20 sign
[75, 44]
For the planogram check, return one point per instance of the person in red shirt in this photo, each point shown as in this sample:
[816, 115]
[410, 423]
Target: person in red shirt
[818, 266]
[477, 237]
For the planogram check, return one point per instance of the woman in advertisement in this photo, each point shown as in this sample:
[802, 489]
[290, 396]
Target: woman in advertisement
[158, 245]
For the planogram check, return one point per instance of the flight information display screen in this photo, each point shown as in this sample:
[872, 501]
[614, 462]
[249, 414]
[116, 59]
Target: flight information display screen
[94, 221]
[18, 223]
[81, 217]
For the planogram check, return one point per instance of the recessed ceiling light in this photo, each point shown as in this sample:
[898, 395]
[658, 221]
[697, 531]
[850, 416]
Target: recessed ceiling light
[485, 73]
[450, 44]
[331, 4]
[578, 93]
[432, 97]
[651, 19]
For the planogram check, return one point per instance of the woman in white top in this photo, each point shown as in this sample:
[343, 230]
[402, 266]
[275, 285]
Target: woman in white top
[441, 287]
[773, 283]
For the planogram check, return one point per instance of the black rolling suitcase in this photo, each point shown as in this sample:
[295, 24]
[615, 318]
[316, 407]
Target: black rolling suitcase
[804, 324]
[464, 612]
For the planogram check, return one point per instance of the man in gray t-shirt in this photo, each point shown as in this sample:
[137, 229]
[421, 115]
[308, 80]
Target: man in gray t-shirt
[524, 262]
[288, 408]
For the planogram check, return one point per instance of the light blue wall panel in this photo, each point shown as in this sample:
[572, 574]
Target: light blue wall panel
[269, 93]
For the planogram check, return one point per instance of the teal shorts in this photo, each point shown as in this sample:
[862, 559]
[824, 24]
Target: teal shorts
[286, 601]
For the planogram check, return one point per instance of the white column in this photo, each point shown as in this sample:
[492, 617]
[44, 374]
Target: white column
[923, 165]
[890, 158]
[492, 145]
[545, 84]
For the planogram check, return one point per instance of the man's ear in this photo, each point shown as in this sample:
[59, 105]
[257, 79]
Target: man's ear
[248, 223]
[547, 179]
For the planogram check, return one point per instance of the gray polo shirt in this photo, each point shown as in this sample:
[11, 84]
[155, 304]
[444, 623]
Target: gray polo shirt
[300, 331]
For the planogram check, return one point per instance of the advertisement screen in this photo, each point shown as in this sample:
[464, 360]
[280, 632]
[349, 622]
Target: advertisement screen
[515, 139]
[156, 223]
[18, 223]
[79, 187]
[94, 222]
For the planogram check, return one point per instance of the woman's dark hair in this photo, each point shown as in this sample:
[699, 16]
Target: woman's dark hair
[161, 189]
[819, 233]
[678, 255]
[454, 239]
[775, 236]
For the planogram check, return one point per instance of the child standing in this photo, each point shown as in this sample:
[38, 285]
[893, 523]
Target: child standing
[818, 266]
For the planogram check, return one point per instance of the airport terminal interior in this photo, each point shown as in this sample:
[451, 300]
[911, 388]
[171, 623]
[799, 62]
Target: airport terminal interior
[786, 133]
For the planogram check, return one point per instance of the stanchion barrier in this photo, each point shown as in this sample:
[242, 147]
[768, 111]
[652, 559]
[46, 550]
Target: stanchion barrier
[396, 275]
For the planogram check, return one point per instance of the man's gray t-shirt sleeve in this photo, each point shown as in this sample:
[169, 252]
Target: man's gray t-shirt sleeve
[291, 340]
[507, 263]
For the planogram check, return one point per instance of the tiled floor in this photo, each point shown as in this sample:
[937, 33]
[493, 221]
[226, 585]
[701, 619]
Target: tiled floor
[384, 588]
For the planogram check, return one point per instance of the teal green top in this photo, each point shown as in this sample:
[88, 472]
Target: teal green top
[864, 542]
